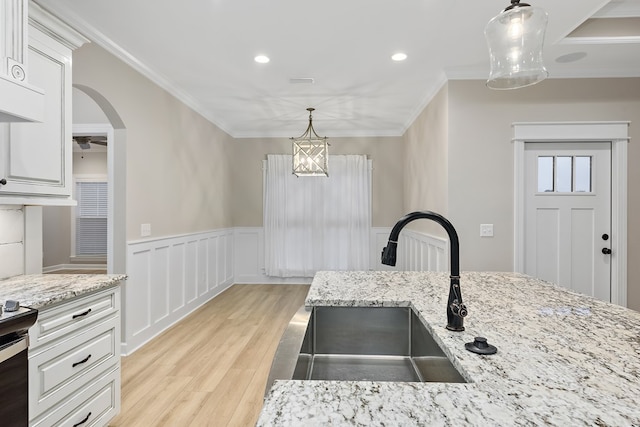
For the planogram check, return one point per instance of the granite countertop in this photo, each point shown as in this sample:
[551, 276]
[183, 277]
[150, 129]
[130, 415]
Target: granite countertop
[563, 358]
[42, 290]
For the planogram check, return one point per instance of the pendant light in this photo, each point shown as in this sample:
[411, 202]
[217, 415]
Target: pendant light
[310, 152]
[515, 38]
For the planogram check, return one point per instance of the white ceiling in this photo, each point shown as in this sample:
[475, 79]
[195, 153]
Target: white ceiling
[202, 51]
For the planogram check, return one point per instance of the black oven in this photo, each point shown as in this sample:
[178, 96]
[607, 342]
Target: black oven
[14, 369]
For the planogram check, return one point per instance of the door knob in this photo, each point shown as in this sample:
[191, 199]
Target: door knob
[3, 181]
[605, 237]
[606, 251]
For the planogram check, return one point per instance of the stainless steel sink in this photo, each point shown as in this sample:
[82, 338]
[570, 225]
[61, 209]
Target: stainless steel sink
[360, 344]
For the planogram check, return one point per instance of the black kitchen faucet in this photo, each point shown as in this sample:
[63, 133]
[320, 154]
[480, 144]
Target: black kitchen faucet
[456, 310]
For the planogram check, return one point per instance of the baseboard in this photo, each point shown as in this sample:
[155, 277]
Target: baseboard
[267, 280]
[54, 268]
[87, 259]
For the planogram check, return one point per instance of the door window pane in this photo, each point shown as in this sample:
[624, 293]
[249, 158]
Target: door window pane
[545, 174]
[564, 174]
[583, 174]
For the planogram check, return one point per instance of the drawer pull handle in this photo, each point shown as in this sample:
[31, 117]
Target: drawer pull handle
[84, 313]
[85, 360]
[83, 421]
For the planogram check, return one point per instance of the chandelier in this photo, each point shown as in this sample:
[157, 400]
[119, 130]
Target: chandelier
[310, 152]
[515, 38]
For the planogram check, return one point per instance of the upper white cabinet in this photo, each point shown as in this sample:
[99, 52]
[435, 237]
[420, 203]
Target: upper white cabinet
[35, 158]
[19, 100]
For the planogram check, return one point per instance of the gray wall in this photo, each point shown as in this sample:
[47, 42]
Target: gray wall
[480, 157]
[178, 163]
[426, 165]
[56, 235]
[387, 175]
[56, 220]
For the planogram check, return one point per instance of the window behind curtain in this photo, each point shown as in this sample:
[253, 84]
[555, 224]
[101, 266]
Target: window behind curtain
[91, 218]
[317, 223]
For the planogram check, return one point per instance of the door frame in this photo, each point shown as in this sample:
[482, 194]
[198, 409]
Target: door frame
[553, 132]
[92, 129]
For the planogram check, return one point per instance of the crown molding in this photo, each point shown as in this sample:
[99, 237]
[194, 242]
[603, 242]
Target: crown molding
[439, 82]
[78, 24]
[619, 9]
[54, 27]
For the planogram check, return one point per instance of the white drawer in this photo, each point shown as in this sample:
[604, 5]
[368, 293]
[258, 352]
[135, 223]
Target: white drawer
[73, 315]
[69, 365]
[96, 405]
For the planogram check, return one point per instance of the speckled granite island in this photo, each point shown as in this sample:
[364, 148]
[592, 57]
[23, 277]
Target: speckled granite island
[563, 359]
[43, 290]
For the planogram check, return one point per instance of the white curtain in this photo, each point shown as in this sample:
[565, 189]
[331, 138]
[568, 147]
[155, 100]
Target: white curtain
[317, 223]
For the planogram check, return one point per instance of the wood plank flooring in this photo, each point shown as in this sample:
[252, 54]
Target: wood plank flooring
[211, 368]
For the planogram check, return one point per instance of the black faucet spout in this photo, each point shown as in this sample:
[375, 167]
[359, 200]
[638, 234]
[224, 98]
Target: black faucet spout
[456, 310]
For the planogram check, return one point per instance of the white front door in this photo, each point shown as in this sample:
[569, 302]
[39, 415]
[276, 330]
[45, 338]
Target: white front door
[567, 220]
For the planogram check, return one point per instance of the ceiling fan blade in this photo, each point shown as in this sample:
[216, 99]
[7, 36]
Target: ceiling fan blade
[82, 139]
[85, 141]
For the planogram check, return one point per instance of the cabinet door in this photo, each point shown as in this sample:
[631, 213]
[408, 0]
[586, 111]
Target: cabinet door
[38, 155]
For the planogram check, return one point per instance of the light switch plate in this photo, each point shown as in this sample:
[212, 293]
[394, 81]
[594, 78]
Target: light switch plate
[145, 230]
[486, 230]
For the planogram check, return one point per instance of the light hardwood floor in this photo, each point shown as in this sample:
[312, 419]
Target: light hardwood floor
[211, 368]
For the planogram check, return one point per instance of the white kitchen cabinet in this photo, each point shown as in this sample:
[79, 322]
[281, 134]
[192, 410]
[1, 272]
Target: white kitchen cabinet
[19, 101]
[74, 362]
[35, 158]
[13, 49]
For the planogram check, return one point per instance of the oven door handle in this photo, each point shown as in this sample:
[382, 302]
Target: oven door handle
[14, 347]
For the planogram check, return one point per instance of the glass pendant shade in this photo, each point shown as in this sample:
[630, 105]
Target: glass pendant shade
[515, 38]
[310, 152]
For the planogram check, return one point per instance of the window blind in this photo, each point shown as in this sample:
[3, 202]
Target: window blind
[91, 218]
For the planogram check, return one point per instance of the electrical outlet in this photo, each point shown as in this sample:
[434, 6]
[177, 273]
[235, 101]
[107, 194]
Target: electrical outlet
[486, 230]
[145, 230]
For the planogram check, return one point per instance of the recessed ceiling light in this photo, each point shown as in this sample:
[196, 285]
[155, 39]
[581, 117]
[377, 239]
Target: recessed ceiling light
[261, 59]
[399, 56]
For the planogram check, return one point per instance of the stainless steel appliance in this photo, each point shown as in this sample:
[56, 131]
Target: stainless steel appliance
[14, 381]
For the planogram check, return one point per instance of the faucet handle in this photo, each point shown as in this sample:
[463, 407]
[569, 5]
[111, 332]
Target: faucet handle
[463, 310]
[459, 309]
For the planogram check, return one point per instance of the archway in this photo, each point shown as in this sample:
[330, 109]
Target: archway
[116, 172]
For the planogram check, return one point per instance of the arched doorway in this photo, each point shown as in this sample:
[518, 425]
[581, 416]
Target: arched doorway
[94, 117]
[116, 172]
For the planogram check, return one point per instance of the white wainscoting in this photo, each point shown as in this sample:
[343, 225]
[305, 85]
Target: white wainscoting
[416, 251]
[422, 252]
[170, 277]
[249, 259]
